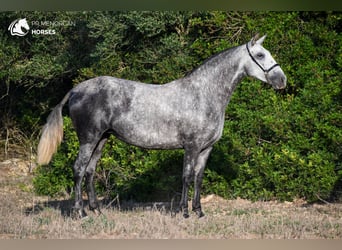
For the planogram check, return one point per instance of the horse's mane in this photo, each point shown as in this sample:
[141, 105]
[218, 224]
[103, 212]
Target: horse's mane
[211, 58]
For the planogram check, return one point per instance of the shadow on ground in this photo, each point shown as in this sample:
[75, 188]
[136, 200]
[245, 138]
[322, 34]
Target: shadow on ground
[66, 206]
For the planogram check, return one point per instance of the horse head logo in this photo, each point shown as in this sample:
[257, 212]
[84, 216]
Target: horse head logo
[17, 26]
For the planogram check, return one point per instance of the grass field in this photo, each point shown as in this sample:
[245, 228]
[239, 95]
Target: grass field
[24, 215]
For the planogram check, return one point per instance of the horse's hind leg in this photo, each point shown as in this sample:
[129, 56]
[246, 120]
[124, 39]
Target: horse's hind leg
[93, 205]
[80, 165]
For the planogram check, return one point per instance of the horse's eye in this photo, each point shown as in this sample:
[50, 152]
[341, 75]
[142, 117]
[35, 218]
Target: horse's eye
[260, 55]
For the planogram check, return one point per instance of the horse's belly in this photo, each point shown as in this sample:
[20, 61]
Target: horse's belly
[148, 136]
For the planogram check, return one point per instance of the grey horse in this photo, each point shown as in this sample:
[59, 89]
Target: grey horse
[187, 113]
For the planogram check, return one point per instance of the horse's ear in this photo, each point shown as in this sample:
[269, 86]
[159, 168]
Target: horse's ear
[261, 40]
[254, 39]
[257, 40]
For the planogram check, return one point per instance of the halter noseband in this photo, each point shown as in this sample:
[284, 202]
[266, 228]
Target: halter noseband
[266, 71]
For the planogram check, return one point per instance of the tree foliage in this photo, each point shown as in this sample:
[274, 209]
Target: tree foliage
[275, 145]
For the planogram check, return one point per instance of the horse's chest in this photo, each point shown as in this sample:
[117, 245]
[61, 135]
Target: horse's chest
[216, 130]
[205, 130]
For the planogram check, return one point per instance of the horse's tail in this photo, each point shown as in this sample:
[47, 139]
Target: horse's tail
[52, 133]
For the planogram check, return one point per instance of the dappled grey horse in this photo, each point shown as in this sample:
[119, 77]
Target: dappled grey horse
[187, 113]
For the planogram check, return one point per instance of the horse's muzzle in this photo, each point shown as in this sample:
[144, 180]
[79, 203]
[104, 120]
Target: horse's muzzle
[277, 79]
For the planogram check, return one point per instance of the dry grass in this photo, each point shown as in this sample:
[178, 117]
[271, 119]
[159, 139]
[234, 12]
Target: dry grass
[24, 215]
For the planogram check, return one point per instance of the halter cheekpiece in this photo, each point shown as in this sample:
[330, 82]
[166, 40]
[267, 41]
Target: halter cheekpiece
[266, 71]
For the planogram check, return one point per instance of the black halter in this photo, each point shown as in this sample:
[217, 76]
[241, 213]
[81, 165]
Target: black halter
[266, 71]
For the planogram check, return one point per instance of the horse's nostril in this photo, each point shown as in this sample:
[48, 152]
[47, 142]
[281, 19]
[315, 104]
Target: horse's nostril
[283, 79]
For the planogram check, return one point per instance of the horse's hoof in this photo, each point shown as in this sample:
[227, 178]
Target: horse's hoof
[174, 214]
[186, 215]
[200, 214]
[77, 213]
[97, 211]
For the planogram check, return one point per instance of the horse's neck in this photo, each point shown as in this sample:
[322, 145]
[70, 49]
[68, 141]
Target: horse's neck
[220, 75]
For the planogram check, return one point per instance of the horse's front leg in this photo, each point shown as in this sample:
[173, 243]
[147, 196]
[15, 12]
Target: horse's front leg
[199, 169]
[188, 172]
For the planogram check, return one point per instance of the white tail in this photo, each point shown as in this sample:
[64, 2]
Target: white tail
[52, 134]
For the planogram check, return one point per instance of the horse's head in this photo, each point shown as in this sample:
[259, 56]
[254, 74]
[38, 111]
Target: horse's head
[23, 24]
[261, 65]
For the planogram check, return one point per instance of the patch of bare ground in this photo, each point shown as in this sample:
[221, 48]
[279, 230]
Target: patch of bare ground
[25, 215]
